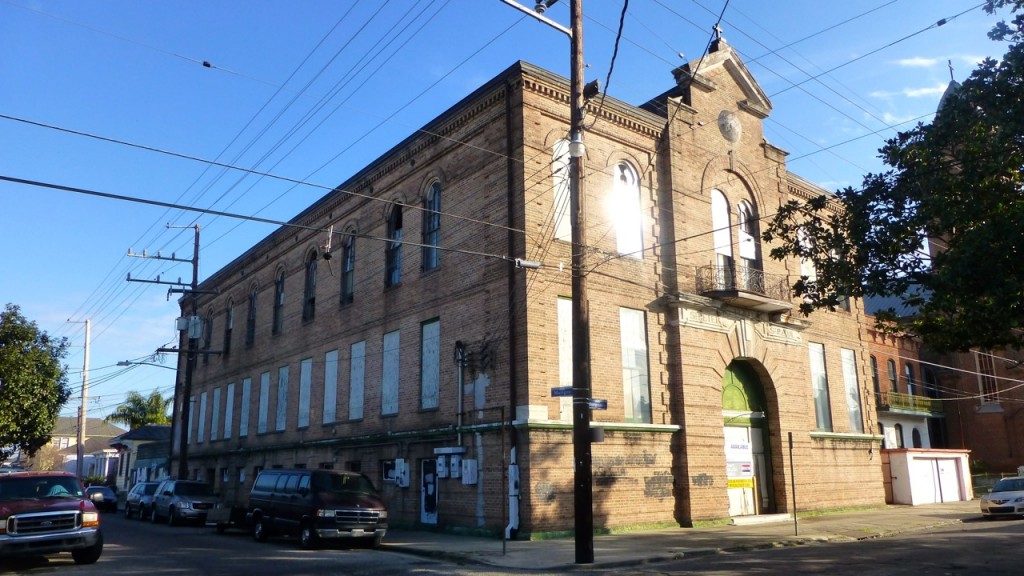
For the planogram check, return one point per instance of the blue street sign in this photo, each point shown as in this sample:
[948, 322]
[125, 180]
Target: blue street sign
[561, 391]
[597, 404]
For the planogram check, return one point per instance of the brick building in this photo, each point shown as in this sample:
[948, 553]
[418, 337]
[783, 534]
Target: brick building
[421, 355]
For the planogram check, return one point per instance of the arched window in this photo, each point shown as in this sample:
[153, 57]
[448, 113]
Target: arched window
[881, 432]
[309, 296]
[627, 212]
[874, 376]
[431, 227]
[915, 435]
[278, 324]
[229, 324]
[747, 233]
[806, 264]
[207, 335]
[348, 269]
[560, 187]
[931, 386]
[893, 384]
[393, 247]
[908, 370]
[899, 435]
[722, 237]
[250, 320]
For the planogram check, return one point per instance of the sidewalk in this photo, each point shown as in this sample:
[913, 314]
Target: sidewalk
[675, 543]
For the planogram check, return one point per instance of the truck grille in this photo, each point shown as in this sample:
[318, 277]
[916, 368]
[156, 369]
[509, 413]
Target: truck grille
[43, 523]
[356, 516]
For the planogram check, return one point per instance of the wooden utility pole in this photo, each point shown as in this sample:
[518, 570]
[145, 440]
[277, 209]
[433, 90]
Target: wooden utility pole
[581, 437]
[192, 328]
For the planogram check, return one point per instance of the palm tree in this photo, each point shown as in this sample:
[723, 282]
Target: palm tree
[138, 410]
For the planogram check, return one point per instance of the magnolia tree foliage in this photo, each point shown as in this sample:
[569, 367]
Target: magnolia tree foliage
[33, 383]
[956, 183]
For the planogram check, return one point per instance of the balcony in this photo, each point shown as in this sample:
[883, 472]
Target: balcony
[909, 404]
[745, 288]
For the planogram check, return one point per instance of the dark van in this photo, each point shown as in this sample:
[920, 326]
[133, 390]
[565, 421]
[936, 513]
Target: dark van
[316, 505]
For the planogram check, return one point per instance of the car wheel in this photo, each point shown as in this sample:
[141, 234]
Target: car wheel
[172, 517]
[259, 531]
[221, 527]
[307, 537]
[88, 555]
[153, 516]
[127, 511]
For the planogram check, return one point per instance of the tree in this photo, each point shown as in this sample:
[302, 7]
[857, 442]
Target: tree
[33, 383]
[138, 410]
[956, 183]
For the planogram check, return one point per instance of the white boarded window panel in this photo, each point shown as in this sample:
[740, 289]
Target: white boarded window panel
[215, 415]
[201, 432]
[389, 374]
[819, 384]
[229, 409]
[330, 386]
[852, 389]
[430, 362]
[281, 421]
[357, 381]
[261, 422]
[305, 386]
[243, 409]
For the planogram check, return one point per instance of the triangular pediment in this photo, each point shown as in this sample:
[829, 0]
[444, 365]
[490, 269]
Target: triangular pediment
[698, 74]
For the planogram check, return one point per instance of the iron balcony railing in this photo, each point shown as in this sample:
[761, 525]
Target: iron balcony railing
[909, 402]
[712, 278]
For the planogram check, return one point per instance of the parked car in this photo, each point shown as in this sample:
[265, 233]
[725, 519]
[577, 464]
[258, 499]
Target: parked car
[139, 501]
[316, 505]
[103, 497]
[1005, 499]
[182, 501]
[47, 513]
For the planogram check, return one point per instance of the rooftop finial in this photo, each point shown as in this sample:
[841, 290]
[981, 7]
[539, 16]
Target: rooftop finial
[951, 70]
[718, 40]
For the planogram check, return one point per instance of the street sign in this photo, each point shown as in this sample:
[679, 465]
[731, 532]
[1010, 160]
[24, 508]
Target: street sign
[561, 391]
[596, 404]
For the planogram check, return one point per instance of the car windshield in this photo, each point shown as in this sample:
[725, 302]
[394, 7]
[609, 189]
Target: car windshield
[343, 483]
[1009, 485]
[39, 487]
[149, 489]
[193, 489]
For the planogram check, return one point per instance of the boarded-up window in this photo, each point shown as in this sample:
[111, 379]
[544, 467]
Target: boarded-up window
[430, 364]
[243, 413]
[215, 415]
[852, 390]
[281, 420]
[330, 386]
[357, 379]
[229, 409]
[819, 386]
[261, 422]
[201, 432]
[636, 383]
[305, 385]
[389, 374]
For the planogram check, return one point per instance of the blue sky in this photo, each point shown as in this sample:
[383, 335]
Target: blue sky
[314, 90]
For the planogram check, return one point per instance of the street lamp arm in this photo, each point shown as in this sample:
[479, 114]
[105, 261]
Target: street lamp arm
[133, 363]
[540, 17]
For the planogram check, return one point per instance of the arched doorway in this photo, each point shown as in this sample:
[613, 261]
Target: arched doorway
[747, 450]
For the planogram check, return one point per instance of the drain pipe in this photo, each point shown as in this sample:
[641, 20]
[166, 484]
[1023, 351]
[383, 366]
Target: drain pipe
[460, 363]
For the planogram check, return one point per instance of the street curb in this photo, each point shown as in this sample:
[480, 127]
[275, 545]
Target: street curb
[474, 558]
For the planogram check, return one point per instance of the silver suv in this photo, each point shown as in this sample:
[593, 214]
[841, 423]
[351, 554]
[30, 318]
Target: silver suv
[182, 500]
